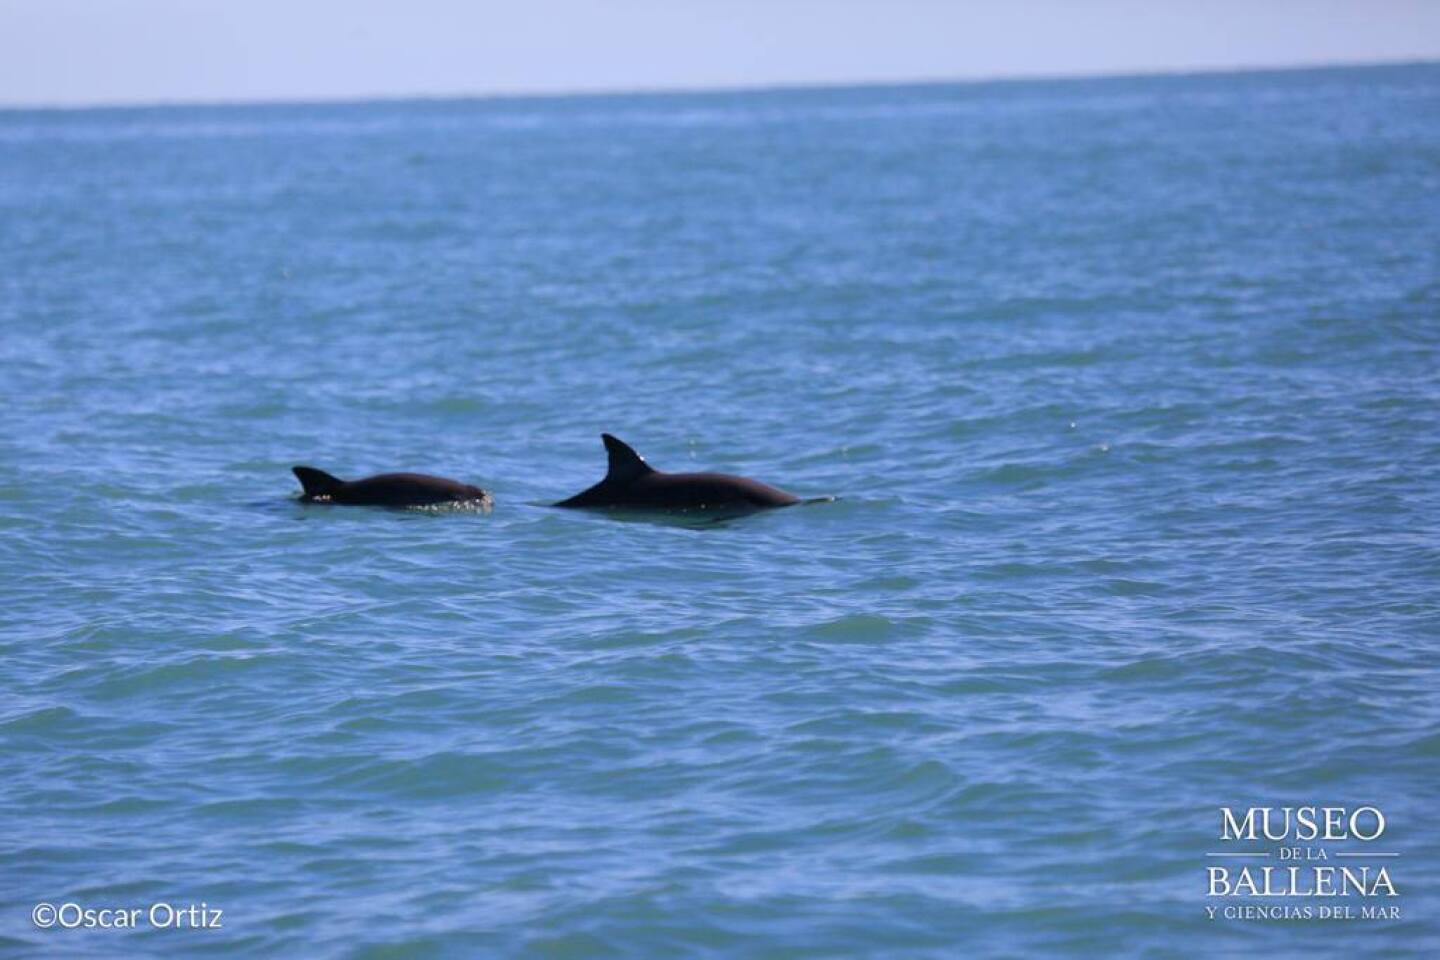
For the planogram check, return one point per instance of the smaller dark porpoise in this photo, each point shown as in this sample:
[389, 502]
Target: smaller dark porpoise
[632, 484]
[386, 490]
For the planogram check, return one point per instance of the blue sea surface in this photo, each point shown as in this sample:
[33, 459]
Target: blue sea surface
[1128, 388]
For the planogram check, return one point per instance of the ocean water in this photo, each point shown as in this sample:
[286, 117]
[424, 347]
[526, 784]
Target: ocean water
[1128, 389]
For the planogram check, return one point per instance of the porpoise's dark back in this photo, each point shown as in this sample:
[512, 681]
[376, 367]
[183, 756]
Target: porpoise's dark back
[386, 489]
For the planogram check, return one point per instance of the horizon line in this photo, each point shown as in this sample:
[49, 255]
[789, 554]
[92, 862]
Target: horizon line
[719, 89]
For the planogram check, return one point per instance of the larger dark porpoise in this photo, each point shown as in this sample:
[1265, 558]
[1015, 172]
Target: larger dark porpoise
[386, 490]
[632, 484]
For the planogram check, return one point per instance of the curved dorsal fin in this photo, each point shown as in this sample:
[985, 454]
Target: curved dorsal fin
[317, 483]
[625, 463]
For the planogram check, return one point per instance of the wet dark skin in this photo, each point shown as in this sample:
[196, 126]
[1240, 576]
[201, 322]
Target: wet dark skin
[385, 490]
[632, 484]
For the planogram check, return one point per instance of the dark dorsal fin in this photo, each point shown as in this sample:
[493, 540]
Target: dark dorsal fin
[625, 463]
[317, 483]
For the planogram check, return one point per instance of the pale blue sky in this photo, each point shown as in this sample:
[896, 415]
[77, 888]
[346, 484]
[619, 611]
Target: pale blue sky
[69, 52]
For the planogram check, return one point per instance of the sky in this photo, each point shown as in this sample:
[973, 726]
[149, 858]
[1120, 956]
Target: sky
[86, 52]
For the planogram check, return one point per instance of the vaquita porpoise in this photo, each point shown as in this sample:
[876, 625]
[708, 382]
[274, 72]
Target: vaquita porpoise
[632, 484]
[387, 490]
